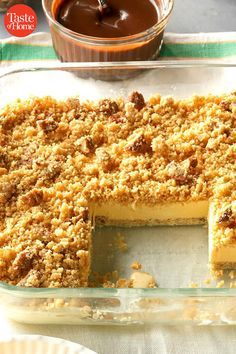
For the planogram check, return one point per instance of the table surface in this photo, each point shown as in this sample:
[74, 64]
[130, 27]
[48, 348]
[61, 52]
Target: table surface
[189, 16]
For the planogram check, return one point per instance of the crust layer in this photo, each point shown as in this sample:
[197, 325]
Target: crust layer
[101, 221]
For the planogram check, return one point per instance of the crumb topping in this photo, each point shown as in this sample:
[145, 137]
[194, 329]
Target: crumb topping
[58, 156]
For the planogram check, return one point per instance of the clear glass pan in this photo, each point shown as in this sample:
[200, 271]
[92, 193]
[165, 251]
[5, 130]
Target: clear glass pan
[174, 255]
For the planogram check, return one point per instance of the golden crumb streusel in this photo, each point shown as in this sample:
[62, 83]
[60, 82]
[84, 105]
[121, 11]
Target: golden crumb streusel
[58, 156]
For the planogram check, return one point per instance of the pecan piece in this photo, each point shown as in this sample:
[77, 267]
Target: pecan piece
[193, 162]
[139, 145]
[52, 171]
[4, 160]
[227, 219]
[117, 118]
[226, 132]
[226, 106]
[108, 107]
[226, 216]
[48, 125]
[179, 171]
[23, 261]
[7, 192]
[32, 198]
[138, 100]
[86, 145]
[105, 160]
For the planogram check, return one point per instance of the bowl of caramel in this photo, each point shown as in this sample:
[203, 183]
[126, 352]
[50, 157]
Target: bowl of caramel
[126, 30]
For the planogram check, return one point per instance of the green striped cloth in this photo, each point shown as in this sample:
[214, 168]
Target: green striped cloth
[38, 47]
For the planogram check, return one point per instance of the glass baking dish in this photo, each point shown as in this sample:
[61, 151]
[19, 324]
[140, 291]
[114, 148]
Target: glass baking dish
[174, 255]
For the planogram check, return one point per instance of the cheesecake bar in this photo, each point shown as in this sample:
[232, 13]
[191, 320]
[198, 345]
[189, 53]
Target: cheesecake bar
[222, 232]
[67, 165]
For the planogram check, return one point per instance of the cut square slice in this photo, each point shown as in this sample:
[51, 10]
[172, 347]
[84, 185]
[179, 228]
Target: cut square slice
[222, 235]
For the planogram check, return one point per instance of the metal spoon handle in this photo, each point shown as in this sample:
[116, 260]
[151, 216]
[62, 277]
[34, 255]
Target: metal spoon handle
[102, 3]
[103, 7]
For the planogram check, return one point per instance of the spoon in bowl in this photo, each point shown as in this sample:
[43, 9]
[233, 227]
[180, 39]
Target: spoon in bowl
[104, 8]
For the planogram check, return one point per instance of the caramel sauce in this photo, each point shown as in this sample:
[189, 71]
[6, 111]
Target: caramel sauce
[123, 17]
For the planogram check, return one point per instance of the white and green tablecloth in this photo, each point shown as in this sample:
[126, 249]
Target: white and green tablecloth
[38, 47]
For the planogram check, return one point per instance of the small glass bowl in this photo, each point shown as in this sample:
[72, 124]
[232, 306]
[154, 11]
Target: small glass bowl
[5, 4]
[73, 47]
